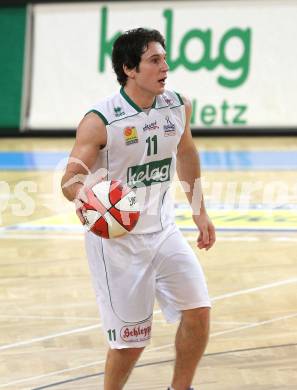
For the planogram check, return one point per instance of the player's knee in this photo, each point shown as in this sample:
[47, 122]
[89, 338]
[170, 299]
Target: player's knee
[196, 322]
[129, 353]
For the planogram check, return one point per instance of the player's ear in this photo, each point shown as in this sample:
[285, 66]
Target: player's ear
[129, 72]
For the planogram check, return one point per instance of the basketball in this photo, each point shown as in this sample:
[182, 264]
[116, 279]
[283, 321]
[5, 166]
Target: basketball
[112, 209]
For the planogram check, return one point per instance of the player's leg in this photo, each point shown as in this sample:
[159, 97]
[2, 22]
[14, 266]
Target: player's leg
[118, 367]
[124, 284]
[190, 343]
[182, 295]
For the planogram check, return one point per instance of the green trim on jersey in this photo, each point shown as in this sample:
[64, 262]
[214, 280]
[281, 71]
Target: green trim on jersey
[125, 117]
[129, 100]
[170, 108]
[179, 98]
[154, 103]
[133, 104]
[100, 116]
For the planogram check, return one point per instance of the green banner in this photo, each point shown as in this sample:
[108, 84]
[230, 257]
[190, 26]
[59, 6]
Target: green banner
[12, 45]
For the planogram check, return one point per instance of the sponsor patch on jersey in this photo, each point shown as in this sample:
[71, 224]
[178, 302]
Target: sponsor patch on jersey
[136, 333]
[151, 126]
[150, 173]
[130, 135]
[169, 127]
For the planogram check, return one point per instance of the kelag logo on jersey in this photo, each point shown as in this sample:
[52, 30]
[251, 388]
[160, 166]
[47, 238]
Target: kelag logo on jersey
[208, 59]
[150, 173]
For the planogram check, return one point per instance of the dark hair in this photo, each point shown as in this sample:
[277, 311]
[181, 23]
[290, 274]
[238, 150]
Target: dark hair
[129, 47]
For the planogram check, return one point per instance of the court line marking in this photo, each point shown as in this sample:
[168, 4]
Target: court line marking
[54, 335]
[157, 362]
[152, 349]
[91, 327]
[287, 317]
[52, 373]
[46, 318]
[79, 237]
[235, 329]
[51, 336]
[33, 317]
[255, 289]
[40, 236]
[219, 160]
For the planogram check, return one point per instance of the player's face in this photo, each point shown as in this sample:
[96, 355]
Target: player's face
[152, 71]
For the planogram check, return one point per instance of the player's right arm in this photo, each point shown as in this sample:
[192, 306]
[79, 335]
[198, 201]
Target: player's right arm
[91, 136]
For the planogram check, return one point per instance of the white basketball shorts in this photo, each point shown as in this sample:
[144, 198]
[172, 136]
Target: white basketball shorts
[130, 271]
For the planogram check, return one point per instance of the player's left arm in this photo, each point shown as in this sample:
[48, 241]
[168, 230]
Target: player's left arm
[189, 173]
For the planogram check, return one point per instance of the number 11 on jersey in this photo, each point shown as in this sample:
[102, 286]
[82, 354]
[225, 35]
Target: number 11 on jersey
[150, 141]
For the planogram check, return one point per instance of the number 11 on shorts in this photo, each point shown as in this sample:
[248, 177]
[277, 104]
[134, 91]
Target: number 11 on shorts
[111, 334]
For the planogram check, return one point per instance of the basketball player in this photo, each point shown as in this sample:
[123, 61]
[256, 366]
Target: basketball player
[141, 136]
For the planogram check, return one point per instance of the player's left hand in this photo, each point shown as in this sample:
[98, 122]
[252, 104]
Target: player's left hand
[207, 233]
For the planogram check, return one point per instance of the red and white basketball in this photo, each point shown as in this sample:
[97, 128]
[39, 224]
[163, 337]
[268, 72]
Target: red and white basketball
[112, 209]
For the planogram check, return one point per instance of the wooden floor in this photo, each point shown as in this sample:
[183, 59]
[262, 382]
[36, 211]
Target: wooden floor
[50, 328]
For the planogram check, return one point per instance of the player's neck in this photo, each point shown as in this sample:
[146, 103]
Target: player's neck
[142, 98]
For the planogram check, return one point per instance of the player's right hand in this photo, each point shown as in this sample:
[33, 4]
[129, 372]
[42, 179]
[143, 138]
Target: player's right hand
[79, 200]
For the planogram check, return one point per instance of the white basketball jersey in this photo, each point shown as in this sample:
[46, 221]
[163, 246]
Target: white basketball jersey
[141, 151]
